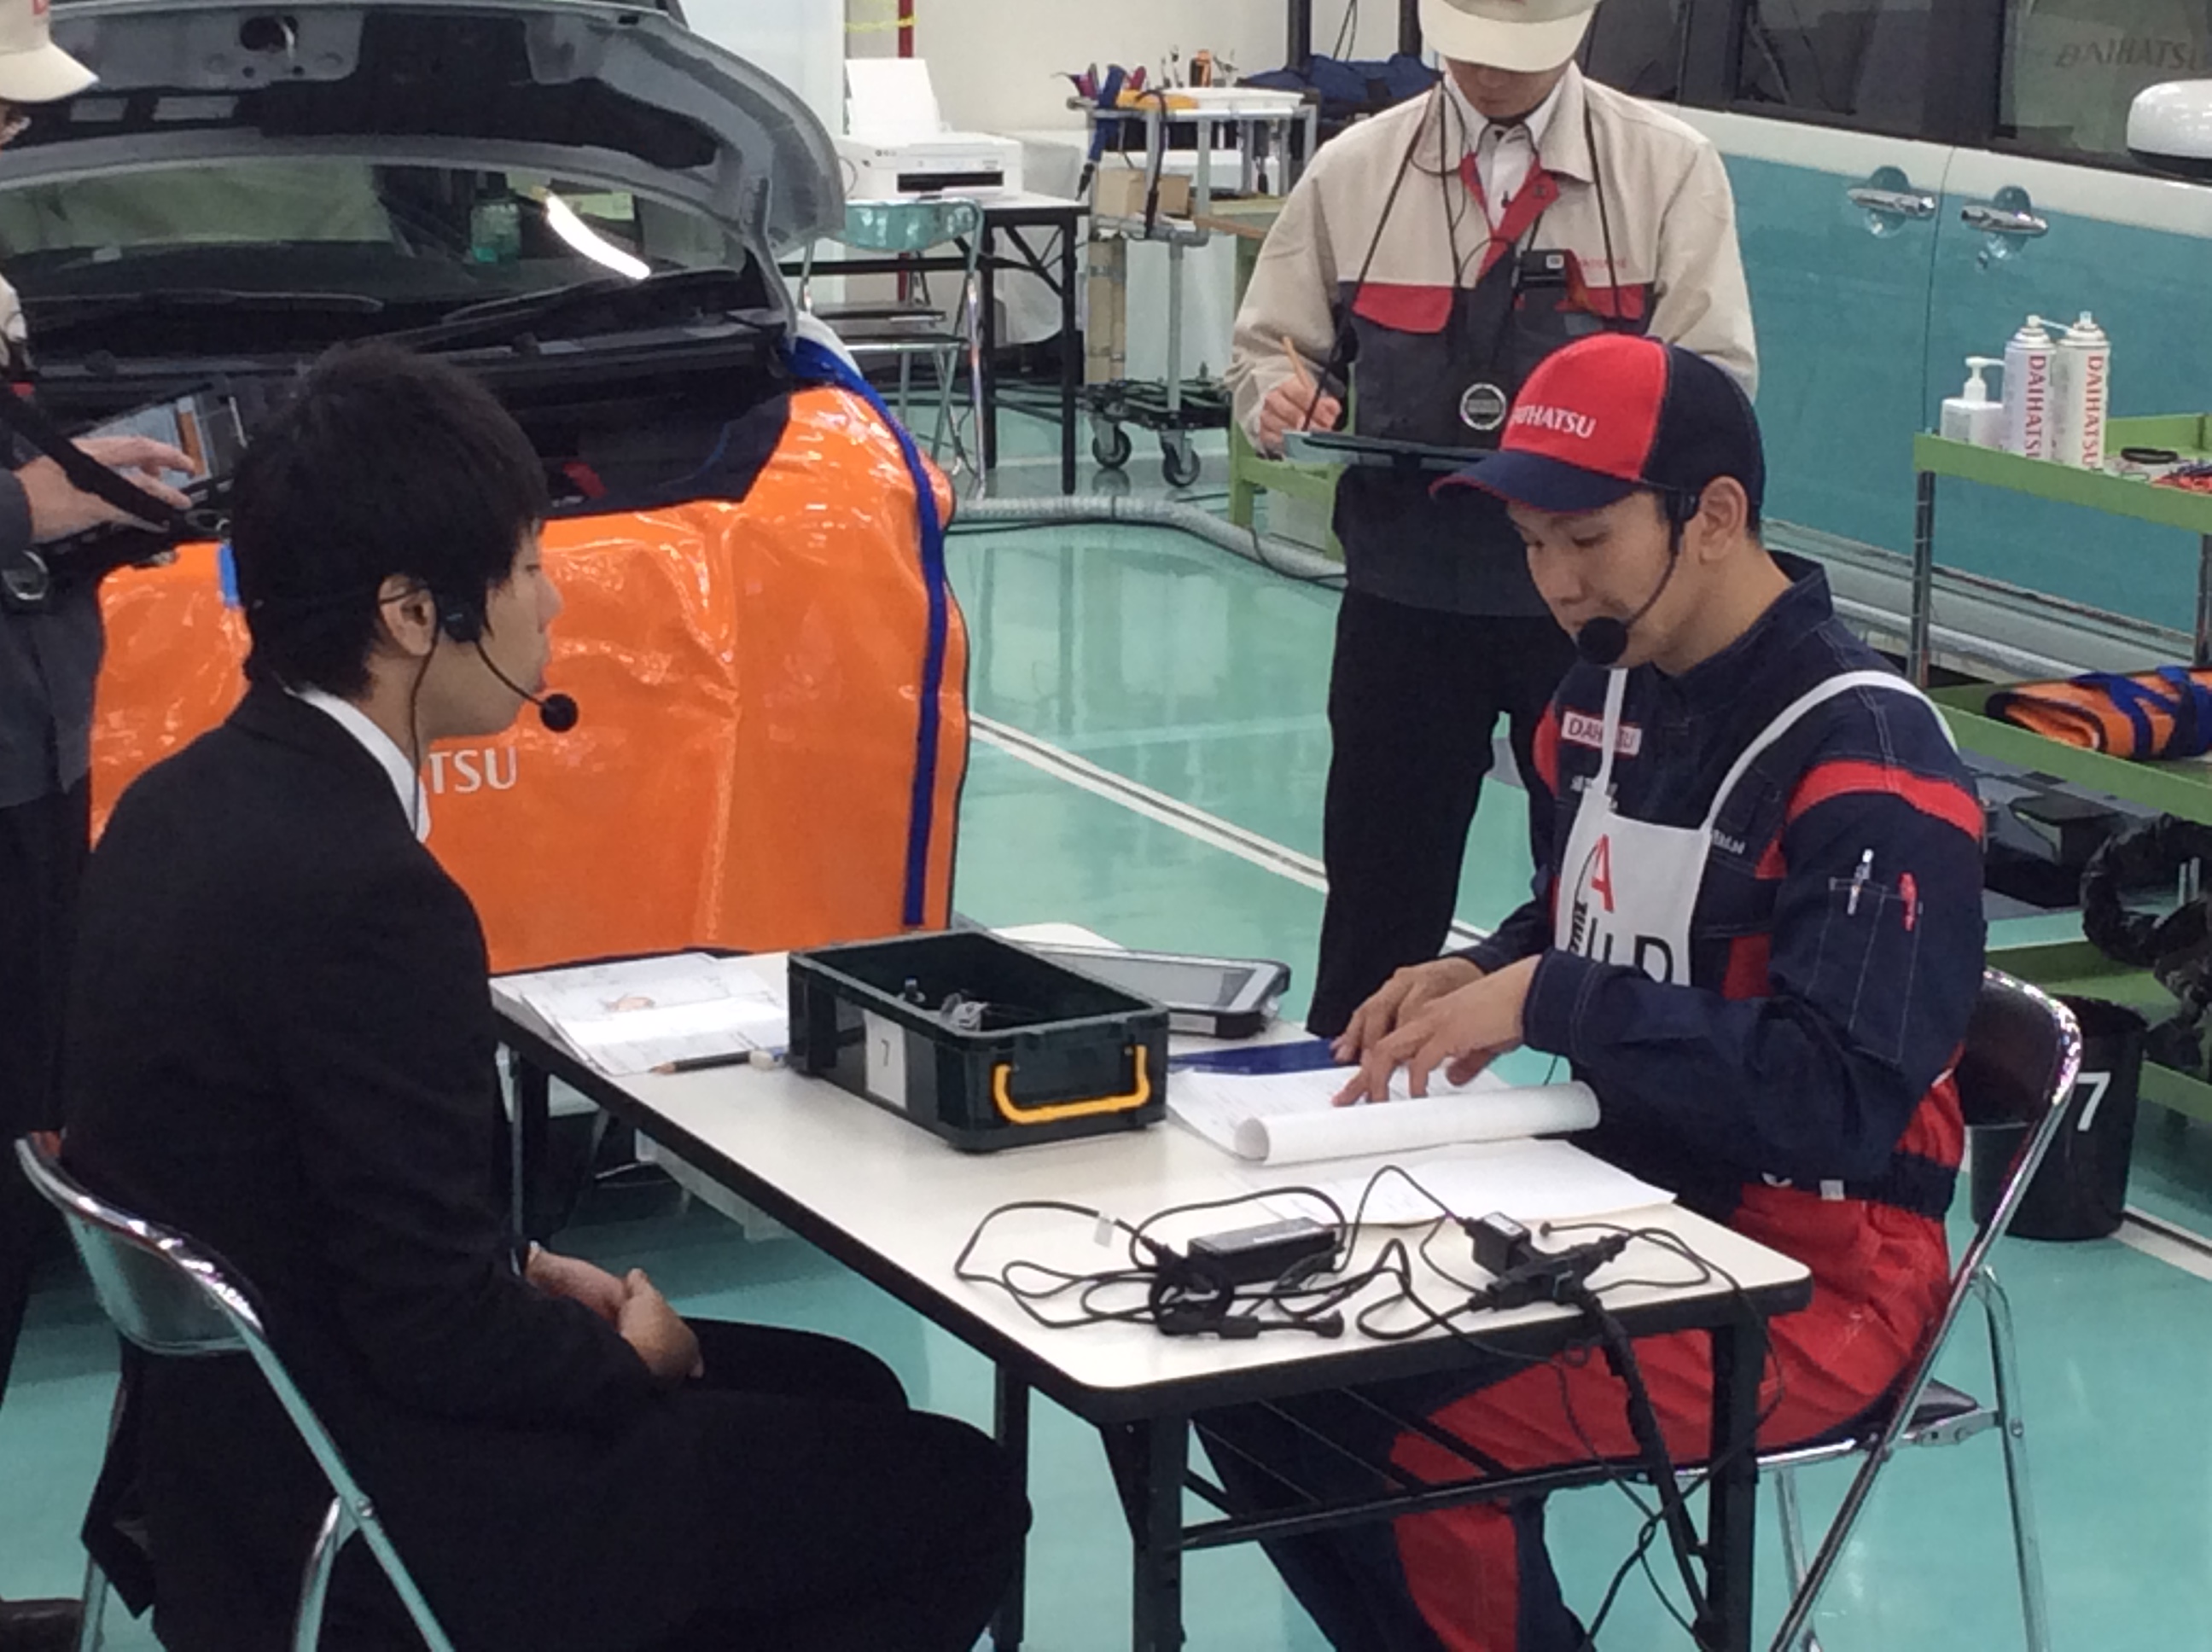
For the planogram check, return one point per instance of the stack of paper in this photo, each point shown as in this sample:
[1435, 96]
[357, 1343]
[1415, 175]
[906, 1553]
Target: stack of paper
[626, 1018]
[1471, 1148]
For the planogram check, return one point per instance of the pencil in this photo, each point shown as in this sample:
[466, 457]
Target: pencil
[706, 1063]
[1298, 365]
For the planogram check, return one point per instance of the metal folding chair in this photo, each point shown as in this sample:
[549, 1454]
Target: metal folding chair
[175, 1299]
[2022, 1055]
[915, 329]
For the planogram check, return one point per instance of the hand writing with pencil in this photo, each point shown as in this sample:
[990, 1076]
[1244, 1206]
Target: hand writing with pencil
[1296, 405]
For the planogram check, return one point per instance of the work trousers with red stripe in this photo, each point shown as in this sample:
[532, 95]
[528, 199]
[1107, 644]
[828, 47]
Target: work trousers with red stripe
[1480, 1578]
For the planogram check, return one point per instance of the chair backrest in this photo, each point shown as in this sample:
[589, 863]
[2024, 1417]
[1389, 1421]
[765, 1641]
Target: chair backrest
[2016, 1047]
[2022, 1055]
[160, 1290]
[891, 226]
[173, 1297]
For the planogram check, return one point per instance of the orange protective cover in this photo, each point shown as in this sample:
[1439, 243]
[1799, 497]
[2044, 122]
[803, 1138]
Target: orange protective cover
[750, 676]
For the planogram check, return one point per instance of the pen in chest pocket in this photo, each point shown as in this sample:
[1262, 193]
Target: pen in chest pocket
[1859, 882]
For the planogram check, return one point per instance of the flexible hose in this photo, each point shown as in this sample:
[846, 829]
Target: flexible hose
[1276, 556]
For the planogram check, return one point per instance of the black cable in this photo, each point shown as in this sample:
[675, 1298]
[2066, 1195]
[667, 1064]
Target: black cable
[416, 753]
[1173, 1284]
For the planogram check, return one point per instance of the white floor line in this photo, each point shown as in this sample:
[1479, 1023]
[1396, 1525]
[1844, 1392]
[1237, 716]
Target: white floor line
[1193, 822]
[2168, 1242]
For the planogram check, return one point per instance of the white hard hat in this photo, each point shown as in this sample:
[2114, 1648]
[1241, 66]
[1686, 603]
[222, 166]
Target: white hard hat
[33, 69]
[1526, 36]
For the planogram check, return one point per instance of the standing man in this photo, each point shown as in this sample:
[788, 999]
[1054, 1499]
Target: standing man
[47, 664]
[1427, 262]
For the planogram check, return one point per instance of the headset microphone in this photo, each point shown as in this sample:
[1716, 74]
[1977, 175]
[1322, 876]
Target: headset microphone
[1603, 641]
[557, 711]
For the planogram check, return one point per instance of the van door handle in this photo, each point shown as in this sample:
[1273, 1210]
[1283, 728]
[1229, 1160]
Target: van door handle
[1892, 202]
[2016, 221]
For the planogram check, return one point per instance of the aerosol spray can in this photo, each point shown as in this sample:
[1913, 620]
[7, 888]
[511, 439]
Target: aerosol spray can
[2081, 394]
[2028, 360]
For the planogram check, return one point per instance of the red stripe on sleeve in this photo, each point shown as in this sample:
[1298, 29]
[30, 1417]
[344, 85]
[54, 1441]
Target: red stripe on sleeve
[1545, 747]
[1942, 800]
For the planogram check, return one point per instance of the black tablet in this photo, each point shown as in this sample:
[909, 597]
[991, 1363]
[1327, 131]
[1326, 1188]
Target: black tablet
[1215, 997]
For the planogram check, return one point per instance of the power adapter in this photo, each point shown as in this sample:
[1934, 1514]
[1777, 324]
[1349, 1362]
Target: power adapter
[1294, 1249]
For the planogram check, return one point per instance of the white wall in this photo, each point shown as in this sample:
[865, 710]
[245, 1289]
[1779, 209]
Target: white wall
[801, 42]
[996, 63]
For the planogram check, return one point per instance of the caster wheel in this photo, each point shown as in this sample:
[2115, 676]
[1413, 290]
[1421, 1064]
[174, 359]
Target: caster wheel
[1111, 447]
[1180, 466]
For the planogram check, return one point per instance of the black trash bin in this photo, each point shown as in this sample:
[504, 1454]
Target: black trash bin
[2081, 1191]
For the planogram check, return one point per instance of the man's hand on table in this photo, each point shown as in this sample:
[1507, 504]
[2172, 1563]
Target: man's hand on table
[1447, 1014]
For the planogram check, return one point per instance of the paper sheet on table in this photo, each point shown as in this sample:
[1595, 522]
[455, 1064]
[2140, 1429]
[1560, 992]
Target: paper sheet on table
[630, 1018]
[1291, 1118]
[1531, 1182]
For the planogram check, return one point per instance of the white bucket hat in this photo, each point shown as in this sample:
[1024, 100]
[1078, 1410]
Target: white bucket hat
[1526, 36]
[33, 69]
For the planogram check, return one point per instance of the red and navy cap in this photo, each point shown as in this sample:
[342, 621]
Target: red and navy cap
[1614, 413]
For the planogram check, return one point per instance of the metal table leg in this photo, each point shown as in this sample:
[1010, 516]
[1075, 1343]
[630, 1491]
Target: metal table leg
[528, 1143]
[2204, 601]
[1924, 579]
[1739, 1360]
[1011, 1427]
[1160, 1458]
[1071, 357]
[989, 274]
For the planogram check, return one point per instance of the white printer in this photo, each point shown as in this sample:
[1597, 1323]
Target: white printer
[882, 167]
[897, 146]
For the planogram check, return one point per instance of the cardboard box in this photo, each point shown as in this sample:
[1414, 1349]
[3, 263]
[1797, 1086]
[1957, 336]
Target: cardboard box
[1106, 331]
[1122, 192]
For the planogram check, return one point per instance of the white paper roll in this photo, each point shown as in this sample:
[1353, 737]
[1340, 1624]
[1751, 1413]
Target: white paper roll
[1410, 1125]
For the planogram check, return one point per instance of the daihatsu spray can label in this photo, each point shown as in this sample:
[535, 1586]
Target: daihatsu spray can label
[2081, 394]
[2029, 362]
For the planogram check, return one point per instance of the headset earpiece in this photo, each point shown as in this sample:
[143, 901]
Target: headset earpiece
[460, 619]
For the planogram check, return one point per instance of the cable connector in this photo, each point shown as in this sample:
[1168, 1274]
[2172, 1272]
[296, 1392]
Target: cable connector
[1521, 1274]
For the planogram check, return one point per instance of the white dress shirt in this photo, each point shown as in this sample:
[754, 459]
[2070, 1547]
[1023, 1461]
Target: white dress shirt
[406, 782]
[1503, 152]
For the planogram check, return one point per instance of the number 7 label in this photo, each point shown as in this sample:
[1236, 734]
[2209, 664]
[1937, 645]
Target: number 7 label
[2096, 1083]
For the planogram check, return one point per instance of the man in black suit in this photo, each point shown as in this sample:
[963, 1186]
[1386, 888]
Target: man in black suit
[280, 1040]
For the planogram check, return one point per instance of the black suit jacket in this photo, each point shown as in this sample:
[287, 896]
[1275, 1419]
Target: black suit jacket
[280, 1040]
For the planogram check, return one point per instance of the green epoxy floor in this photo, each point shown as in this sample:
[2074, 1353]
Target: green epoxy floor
[1166, 663]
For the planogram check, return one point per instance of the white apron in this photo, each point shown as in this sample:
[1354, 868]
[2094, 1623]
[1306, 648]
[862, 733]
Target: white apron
[1628, 889]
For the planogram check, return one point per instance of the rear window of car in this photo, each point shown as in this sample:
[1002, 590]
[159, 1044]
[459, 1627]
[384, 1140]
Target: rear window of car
[390, 233]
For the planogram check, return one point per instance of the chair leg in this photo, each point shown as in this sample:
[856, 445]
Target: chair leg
[946, 363]
[2027, 1551]
[315, 1587]
[1792, 1519]
[92, 1628]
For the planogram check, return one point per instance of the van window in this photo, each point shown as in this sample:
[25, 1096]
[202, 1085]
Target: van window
[2072, 67]
[1857, 62]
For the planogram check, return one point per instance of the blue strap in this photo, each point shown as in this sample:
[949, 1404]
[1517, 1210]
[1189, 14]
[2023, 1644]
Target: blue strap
[2192, 723]
[818, 363]
[2133, 700]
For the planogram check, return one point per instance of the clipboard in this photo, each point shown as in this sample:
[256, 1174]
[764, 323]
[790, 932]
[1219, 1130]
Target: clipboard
[1335, 447]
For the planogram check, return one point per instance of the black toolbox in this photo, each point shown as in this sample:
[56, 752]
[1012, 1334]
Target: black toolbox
[979, 1041]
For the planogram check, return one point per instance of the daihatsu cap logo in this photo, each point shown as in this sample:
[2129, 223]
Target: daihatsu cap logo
[1526, 36]
[1559, 421]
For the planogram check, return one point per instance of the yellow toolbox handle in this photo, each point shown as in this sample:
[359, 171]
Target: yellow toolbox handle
[1002, 1083]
